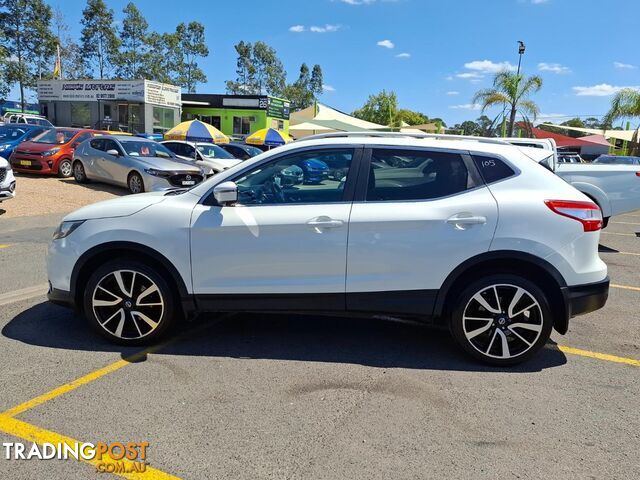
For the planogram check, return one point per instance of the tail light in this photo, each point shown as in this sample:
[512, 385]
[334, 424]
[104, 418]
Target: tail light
[587, 213]
[637, 174]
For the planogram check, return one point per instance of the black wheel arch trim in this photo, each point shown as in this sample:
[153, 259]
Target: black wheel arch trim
[187, 300]
[561, 324]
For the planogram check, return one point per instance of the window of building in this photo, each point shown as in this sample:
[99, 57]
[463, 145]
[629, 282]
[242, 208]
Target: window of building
[241, 125]
[80, 114]
[397, 175]
[162, 119]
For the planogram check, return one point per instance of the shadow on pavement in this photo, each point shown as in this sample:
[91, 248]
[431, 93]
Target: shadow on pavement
[368, 342]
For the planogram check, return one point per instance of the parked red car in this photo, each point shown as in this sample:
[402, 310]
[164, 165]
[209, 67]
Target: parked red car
[51, 152]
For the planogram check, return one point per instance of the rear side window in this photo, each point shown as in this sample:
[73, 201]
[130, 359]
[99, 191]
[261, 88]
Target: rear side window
[416, 175]
[97, 143]
[492, 169]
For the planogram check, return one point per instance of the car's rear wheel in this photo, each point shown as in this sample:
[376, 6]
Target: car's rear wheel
[78, 172]
[135, 183]
[501, 319]
[128, 302]
[64, 169]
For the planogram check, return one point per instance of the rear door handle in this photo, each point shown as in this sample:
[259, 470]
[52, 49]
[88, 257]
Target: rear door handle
[324, 222]
[464, 220]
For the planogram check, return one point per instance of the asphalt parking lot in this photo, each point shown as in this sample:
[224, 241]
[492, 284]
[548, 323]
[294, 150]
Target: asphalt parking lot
[264, 396]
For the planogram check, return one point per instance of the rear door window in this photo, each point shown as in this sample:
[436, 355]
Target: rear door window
[492, 169]
[396, 175]
[97, 144]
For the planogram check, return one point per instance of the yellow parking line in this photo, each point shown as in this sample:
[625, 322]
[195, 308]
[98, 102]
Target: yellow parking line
[4, 245]
[625, 287]
[622, 253]
[622, 234]
[599, 356]
[627, 223]
[31, 433]
[67, 387]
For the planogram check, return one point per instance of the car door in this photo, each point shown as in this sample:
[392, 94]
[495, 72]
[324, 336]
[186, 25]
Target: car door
[282, 237]
[417, 215]
[91, 156]
[114, 165]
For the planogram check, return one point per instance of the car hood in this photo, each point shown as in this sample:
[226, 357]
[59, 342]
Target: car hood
[117, 207]
[33, 147]
[315, 164]
[175, 164]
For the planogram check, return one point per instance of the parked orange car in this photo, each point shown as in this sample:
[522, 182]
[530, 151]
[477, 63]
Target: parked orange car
[51, 152]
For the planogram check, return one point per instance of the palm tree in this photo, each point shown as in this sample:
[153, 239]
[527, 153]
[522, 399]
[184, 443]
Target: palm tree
[626, 103]
[511, 91]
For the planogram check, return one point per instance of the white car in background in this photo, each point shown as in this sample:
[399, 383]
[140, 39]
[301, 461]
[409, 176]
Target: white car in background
[211, 158]
[614, 188]
[479, 239]
[7, 180]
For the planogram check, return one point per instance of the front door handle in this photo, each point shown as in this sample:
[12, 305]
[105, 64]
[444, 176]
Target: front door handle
[462, 221]
[324, 222]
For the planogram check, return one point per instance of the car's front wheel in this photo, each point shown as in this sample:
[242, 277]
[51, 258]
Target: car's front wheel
[64, 169]
[135, 183]
[128, 302]
[501, 319]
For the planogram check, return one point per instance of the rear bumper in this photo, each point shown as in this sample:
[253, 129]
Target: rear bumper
[581, 299]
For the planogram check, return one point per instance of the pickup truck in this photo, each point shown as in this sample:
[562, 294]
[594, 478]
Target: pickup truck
[614, 188]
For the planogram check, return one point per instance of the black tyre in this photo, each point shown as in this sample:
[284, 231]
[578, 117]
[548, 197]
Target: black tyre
[501, 319]
[135, 183]
[129, 302]
[78, 172]
[64, 169]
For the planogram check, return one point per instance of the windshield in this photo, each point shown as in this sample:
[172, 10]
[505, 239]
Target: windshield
[8, 134]
[213, 151]
[145, 149]
[253, 151]
[55, 136]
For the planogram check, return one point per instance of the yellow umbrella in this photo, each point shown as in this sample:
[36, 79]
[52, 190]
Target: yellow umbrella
[196, 131]
[269, 137]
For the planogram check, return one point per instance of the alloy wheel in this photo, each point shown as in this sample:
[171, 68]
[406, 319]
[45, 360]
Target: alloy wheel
[78, 172]
[502, 321]
[128, 304]
[65, 169]
[135, 184]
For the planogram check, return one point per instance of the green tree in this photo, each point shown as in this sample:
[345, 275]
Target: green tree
[511, 92]
[4, 63]
[25, 26]
[99, 41]
[245, 70]
[316, 82]
[270, 74]
[468, 127]
[410, 117]
[625, 104]
[132, 59]
[485, 126]
[72, 63]
[381, 108]
[191, 46]
[164, 56]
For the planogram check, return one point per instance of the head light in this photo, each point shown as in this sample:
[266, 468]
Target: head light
[158, 173]
[4, 147]
[48, 153]
[66, 228]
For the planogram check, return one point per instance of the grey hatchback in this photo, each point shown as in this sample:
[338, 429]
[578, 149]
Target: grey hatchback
[139, 164]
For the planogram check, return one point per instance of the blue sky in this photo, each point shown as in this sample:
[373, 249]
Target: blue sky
[433, 53]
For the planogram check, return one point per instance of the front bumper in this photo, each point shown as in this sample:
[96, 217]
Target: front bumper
[60, 297]
[581, 299]
[36, 164]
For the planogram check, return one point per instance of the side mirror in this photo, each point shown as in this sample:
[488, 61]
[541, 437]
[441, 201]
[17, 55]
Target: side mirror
[226, 193]
[113, 152]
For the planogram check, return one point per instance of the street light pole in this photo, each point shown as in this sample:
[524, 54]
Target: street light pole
[512, 117]
[521, 49]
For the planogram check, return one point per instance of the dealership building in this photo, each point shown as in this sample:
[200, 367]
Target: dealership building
[135, 106]
[237, 115]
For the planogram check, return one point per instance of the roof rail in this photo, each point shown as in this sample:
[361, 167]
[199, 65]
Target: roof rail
[374, 134]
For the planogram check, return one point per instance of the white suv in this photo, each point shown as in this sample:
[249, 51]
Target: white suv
[470, 235]
[7, 180]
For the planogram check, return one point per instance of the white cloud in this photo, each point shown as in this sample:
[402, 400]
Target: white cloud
[357, 2]
[554, 68]
[470, 75]
[453, 92]
[403, 55]
[385, 44]
[487, 66]
[624, 66]
[467, 106]
[539, 2]
[328, 88]
[297, 28]
[325, 29]
[601, 90]
[553, 117]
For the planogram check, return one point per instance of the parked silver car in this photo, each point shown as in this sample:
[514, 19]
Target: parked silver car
[137, 163]
[211, 158]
